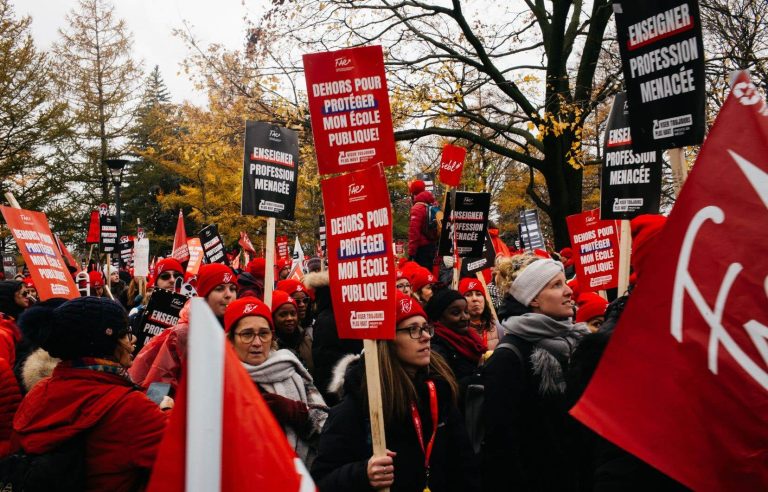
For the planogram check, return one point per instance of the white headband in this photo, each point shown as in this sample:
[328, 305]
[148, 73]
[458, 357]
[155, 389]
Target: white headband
[533, 278]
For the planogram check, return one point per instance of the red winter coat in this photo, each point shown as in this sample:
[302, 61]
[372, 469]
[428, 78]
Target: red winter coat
[417, 224]
[124, 426]
[9, 337]
[10, 396]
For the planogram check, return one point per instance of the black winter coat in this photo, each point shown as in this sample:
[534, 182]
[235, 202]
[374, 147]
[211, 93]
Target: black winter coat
[529, 438]
[345, 445]
[327, 348]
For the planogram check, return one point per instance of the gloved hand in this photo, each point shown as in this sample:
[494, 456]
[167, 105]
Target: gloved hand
[448, 261]
[288, 412]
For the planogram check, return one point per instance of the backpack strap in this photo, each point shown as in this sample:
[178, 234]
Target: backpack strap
[513, 348]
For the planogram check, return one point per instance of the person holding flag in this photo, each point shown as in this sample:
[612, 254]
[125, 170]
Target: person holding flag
[428, 444]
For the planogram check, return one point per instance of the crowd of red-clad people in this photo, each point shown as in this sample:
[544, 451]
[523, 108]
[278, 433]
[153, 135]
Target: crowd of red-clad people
[523, 336]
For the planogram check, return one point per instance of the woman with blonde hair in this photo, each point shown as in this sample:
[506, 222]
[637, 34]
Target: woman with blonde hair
[428, 448]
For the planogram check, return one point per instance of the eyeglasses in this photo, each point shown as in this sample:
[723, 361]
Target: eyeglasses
[168, 275]
[402, 286]
[248, 336]
[415, 331]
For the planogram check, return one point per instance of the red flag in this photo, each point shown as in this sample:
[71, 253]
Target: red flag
[452, 164]
[245, 242]
[180, 249]
[683, 384]
[94, 229]
[68, 258]
[221, 435]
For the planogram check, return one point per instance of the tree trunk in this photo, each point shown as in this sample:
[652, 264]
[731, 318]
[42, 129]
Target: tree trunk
[564, 185]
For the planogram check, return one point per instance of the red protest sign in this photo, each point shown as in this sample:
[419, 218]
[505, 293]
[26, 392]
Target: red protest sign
[283, 253]
[451, 165]
[360, 260]
[349, 109]
[683, 384]
[196, 254]
[41, 254]
[596, 246]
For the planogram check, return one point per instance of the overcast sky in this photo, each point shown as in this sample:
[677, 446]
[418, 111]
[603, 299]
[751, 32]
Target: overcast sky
[151, 22]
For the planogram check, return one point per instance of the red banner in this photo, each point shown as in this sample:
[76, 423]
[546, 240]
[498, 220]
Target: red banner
[349, 108]
[360, 260]
[245, 243]
[283, 253]
[94, 229]
[41, 254]
[180, 249]
[683, 384]
[595, 244]
[452, 164]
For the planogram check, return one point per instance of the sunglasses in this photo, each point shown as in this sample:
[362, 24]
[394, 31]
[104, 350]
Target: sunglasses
[168, 275]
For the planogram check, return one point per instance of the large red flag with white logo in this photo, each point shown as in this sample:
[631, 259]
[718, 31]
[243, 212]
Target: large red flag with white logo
[180, 249]
[221, 435]
[683, 384]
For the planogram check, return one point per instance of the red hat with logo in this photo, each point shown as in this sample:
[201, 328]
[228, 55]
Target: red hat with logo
[469, 284]
[28, 283]
[95, 279]
[211, 275]
[407, 307]
[291, 286]
[400, 274]
[590, 305]
[166, 265]
[421, 277]
[280, 298]
[243, 307]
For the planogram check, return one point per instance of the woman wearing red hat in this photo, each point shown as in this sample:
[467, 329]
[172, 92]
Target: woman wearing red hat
[480, 315]
[290, 335]
[422, 283]
[428, 448]
[285, 384]
[161, 359]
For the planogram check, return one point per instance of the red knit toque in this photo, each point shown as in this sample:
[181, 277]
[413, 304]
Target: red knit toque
[469, 284]
[280, 298]
[416, 186]
[211, 275]
[421, 277]
[96, 279]
[243, 307]
[408, 307]
[257, 267]
[167, 264]
[291, 286]
[590, 305]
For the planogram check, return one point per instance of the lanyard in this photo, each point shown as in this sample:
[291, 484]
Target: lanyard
[417, 425]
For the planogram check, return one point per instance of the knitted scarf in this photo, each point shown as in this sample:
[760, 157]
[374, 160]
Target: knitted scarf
[468, 344]
[559, 338]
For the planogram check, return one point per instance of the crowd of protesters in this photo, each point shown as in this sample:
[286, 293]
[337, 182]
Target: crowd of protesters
[73, 384]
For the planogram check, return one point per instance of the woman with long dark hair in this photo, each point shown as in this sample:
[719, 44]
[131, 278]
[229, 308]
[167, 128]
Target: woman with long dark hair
[428, 448]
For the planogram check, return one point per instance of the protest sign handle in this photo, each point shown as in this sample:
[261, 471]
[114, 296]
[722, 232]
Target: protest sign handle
[375, 408]
[487, 295]
[269, 271]
[106, 282]
[12, 200]
[603, 293]
[625, 252]
[679, 167]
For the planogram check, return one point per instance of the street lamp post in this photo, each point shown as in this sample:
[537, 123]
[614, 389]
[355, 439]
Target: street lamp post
[116, 170]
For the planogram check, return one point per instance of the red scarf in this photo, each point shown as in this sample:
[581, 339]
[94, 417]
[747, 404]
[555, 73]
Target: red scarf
[468, 344]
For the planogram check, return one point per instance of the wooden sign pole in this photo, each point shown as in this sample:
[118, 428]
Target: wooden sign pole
[12, 200]
[106, 282]
[487, 295]
[269, 270]
[679, 167]
[625, 252]
[375, 408]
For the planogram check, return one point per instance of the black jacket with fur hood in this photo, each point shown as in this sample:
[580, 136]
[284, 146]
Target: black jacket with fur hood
[327, 348]
[345, 443]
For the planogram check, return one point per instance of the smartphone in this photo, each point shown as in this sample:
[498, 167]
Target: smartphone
[157, 391]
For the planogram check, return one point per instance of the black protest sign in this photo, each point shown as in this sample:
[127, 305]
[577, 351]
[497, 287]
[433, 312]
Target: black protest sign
[471, 266]
[662, 57]
[161, 313]
[321, 231]
[469, 221]
[630, 183]
[270, 171]
[107, 233]
[530, 231]
[213, 247]
[126, 251]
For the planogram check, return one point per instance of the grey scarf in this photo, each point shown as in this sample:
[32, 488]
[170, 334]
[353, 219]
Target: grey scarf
[554, 342]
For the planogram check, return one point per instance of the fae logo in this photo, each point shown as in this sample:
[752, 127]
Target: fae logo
[685, 284]
[249, 308]
[274, 134]
[355, 189]
[227, 278]
[343, 63]
[406, 305]
[747, 93]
